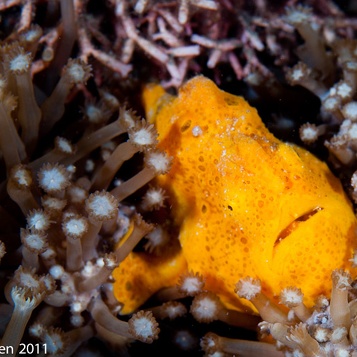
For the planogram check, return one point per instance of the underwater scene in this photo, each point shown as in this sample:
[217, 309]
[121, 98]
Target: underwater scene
[178, 176]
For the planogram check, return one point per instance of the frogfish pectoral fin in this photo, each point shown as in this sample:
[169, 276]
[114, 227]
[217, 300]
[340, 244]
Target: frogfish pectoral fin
[141, 275]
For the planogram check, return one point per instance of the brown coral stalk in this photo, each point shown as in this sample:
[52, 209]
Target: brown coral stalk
[24, 305]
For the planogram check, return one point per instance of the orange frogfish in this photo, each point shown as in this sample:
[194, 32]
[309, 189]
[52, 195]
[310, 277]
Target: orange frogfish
[246, 204]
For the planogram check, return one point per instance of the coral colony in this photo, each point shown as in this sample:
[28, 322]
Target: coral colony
[78, 165]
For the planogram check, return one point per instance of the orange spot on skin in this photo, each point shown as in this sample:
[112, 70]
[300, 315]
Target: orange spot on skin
[263, 208]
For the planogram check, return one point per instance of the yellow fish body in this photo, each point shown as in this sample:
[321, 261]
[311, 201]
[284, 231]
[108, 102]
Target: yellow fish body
[246, 203]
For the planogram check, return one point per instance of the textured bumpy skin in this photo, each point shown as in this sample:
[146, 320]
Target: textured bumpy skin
[246, 203]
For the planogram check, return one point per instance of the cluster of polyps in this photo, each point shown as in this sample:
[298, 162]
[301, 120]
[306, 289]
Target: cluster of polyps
[65, 251]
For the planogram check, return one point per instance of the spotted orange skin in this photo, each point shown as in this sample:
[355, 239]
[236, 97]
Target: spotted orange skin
[246, 203]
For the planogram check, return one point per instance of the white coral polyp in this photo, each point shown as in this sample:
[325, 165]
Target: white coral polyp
[76, 72]
[297, 74]
[75, 226]
[192, 285]
[20, 63]
[143, 137]
[206, 308]
[38, 221]
[344, 90]
[35, 242]
[23, 177]
[248, 288]
[53, 179]
[101, 206]
[350, 111]
[309, 133]
[144, 327]
[159, 162]
[64, 145]
[292, 296]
